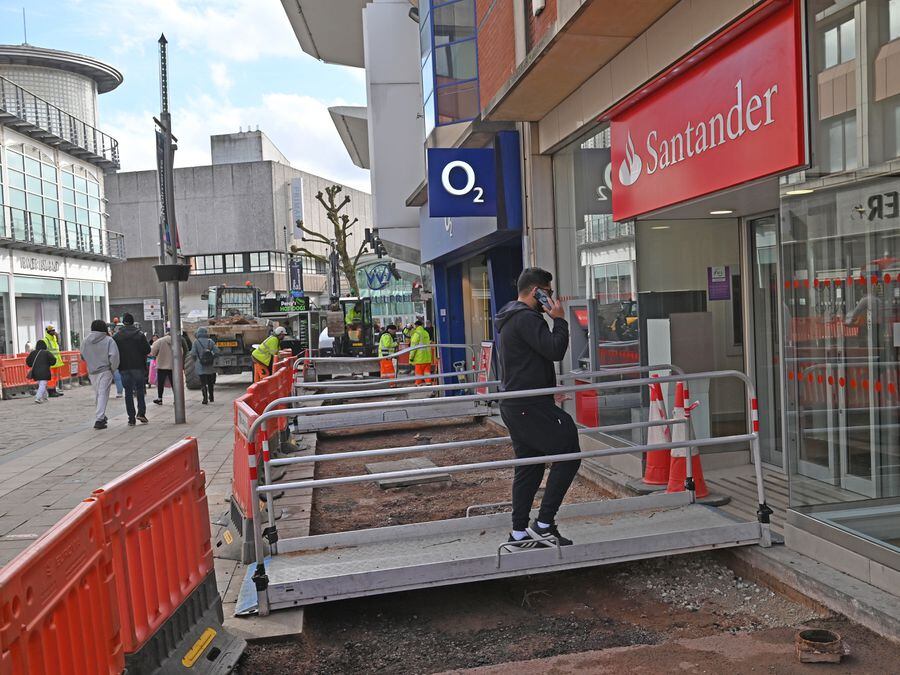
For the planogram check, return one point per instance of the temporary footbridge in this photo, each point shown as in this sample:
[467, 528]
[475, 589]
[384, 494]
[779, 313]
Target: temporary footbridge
[325, 567]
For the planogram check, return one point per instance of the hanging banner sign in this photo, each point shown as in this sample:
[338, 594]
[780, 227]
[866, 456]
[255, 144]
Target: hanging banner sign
[735, 116]
[461, 182]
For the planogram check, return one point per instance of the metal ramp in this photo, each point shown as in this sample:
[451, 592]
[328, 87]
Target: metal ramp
[322, 568]
[328, 567]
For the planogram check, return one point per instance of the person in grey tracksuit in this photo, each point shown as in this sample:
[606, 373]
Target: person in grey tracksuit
[101, 355]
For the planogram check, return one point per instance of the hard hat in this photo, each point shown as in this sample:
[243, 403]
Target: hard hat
[50, 326]
[280, 331]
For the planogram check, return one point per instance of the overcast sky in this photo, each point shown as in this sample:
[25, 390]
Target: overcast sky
[232, 64]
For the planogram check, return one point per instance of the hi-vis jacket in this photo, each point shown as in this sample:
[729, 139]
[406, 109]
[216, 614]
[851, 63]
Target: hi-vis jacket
[387, 345]
[267, 350]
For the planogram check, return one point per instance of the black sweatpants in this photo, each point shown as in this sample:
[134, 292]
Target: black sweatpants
[540, 429]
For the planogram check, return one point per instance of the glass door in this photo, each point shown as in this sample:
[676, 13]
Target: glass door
[763, 316]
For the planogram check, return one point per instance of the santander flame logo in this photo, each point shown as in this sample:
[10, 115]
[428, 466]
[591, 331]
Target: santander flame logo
[630, 170]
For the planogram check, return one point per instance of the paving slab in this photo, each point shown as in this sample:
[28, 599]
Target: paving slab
[405, 465]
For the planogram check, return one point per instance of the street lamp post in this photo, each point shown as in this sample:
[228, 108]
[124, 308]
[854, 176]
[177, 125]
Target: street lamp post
[171, 271]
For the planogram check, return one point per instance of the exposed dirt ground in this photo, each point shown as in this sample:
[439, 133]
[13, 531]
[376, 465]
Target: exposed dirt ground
[364, 505]
[688, 614]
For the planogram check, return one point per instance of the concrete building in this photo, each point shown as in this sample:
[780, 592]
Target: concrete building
[56, 251]
[236, 223]
[693, 209]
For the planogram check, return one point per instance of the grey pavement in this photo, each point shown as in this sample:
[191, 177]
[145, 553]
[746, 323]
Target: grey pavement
[51, 457]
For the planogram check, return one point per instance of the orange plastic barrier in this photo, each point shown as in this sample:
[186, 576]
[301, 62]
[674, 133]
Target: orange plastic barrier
[244, 416]
[58, 602]
[12, 372]
[156, 519]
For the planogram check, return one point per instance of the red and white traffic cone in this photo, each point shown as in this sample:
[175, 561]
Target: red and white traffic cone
[678, 465]
[657, 470]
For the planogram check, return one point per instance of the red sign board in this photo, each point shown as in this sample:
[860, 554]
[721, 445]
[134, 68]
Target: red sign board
[484, 365]
[734, 116]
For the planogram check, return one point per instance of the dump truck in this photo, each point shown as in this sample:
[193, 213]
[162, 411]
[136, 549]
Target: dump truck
[232, 323]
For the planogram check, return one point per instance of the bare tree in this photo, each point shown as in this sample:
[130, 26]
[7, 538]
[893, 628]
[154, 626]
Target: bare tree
[342, 225]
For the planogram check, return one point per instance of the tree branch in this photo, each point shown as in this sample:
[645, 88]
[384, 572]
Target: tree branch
[362, 249]
[316, 235]
[317, 256]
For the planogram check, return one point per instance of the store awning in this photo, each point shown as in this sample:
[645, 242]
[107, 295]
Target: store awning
[329, 30]
[352, 123]
[588, 41]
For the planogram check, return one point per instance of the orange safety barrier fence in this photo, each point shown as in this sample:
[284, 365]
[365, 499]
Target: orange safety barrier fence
[156, 518]
[58, 601]
[12, 373]
[244, 416]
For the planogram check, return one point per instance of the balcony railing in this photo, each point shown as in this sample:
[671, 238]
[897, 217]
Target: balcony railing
[27, 230]
[32, 115]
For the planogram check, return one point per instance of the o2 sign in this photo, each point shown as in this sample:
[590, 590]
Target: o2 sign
[461, 182]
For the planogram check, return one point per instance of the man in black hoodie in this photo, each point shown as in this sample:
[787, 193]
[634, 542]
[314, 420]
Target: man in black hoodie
[527, 349]
[133, 350]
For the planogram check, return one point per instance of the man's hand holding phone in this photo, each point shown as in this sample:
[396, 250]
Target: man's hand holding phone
[556, 309]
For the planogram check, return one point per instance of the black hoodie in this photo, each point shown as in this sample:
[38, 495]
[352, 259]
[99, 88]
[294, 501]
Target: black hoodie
[527, 349]
[133, 348]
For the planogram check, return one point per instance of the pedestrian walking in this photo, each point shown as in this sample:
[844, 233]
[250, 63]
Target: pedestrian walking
[51, 339]
[165, 361]
[133, 351]
[421, 357]
[101, 355]
[537, 426]
[40, 360]
[205, 351]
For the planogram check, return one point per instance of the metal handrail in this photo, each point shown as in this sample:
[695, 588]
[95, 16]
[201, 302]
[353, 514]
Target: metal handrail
[381, 384]
[28, 107]
[752, 436]
[33, 228]
[450, 445]
[359, 359]
[437, 388]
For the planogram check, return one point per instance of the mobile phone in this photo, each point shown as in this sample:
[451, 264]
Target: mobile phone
[541, 296]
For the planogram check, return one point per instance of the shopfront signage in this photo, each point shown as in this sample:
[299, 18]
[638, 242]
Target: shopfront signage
[378, 276]
[35, 264]
[735, 116]
[461, 182]
[294, 304]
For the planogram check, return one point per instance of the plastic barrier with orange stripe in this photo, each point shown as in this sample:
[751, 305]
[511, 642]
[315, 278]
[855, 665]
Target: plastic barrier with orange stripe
[124, 581]
[58, 601]
[157, 521]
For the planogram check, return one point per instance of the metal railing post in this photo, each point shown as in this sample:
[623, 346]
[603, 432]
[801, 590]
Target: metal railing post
[260, 579]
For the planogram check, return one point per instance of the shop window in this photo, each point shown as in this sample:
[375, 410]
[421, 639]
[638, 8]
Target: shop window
[6, 345]
[840, 43]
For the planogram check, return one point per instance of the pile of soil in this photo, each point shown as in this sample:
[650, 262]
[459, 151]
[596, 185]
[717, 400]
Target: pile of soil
[363, 505]
[619, 612]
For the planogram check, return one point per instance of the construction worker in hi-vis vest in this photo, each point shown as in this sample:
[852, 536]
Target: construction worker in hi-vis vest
[387, 345]
[421, 357]
[51, 339]
[264, 354]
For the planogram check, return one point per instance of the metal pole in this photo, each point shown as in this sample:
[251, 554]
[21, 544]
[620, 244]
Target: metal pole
[170, 228]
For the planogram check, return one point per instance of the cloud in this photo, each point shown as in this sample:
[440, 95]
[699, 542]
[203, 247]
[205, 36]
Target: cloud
[232, 30]
[218, 73]
[298, 125]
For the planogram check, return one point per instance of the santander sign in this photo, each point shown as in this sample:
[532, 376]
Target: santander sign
[732, 117]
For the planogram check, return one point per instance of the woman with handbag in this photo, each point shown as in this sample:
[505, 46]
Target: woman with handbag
[40, 361]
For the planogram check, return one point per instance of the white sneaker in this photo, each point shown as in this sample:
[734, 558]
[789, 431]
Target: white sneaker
[38, 400]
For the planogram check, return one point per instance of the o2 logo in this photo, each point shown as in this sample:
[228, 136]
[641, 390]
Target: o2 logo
[604, 191]
[462, 182]
[469, 186]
